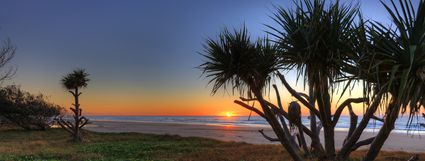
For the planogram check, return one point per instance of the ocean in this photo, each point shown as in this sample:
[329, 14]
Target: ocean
[256, 121]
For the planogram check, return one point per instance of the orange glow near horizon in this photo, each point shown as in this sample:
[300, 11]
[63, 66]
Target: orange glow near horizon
[203, 106]
[129, 101]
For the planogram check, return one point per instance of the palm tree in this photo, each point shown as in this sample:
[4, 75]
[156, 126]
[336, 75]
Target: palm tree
[318, 41]
[73, 82]
[247, 67]
[398, 62]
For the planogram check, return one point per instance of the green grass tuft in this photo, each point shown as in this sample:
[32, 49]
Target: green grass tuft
[56, 145]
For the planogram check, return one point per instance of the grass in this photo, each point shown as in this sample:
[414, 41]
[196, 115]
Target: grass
[56, 145]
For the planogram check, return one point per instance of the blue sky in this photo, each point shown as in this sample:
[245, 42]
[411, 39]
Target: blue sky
[137, 49]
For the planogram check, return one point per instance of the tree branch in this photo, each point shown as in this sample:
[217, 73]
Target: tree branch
[62, 124]
[83, 121]
[345, 104]
[345, 150]
[69, 124]
[267, 137]
[275, 109]
[362, 143]
[74, 111]
[250, 108]
[304, 95]
[282, 120]
[72, 92]
[297, 95]
[279, 102]
[414, 158]
[377, 118]
[284, 114]
[353, 123]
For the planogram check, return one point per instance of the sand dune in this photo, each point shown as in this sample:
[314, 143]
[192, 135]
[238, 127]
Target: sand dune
[396, 142]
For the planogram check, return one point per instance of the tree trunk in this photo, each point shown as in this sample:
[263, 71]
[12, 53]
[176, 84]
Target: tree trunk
[329, 142]
[353, 124]
[274, 123]
[313, 123]
[355, 136]
[315, 143]
[384, 132]
[302, 139]
[286, 130]
[77, 113]
[323, 101]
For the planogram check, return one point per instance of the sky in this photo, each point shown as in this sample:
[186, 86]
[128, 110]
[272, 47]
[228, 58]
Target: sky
[141, 54]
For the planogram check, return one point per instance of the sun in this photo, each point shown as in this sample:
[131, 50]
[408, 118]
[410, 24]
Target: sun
[229, 114]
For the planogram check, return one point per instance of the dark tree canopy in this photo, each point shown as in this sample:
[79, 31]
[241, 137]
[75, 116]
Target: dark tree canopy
[76, 79]
[26, 110]
[235, 60]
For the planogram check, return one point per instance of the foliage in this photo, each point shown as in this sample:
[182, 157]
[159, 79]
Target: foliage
[319, 41]
[26, 110]
[76, 79]
[234, 60]
[398, 57]
[316, 38]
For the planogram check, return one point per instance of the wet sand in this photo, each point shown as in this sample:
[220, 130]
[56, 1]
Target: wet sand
[396, 141]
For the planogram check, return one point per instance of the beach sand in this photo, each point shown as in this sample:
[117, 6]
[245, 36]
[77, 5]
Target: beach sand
[396, 141]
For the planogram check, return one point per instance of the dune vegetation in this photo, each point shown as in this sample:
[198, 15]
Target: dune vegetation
[55, 145]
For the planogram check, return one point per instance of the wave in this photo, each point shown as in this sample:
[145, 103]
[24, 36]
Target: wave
[401, 125]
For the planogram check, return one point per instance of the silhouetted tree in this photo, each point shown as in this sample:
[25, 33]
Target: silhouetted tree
[329, 47]
[74, 82]
[26, 110]
[397, 65]
[7, 52]
[247, 67]
[322, 43]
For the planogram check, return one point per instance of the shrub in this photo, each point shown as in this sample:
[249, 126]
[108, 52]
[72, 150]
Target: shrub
[26, 110]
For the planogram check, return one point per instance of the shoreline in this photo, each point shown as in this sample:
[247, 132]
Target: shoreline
[396, 141]
[236, 121]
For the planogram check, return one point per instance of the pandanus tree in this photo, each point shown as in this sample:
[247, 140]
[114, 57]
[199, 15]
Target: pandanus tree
[330, 46]
[247, 67]
[73, 82]
[318, 40]
[396, 63]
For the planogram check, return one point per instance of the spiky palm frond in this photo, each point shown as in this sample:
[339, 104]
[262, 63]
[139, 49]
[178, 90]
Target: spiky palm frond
[316, 38]
[398, 59]
[236, 61]
[76, 79]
